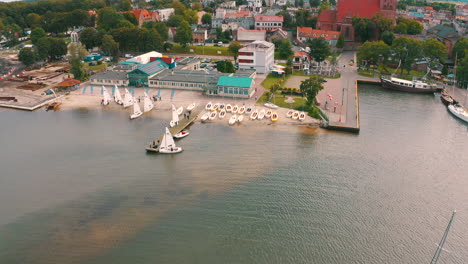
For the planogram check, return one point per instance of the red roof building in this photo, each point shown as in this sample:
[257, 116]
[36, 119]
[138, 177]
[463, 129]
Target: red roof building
[143, 15]
[268, 22]
[306, 33]
[340, 18]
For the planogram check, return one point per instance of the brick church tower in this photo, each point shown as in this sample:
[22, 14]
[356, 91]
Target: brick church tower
[388, 8]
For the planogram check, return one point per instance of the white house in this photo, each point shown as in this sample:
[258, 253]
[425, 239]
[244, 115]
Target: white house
[250, 35]
[258, 55]
[268, 22]
[165, 13]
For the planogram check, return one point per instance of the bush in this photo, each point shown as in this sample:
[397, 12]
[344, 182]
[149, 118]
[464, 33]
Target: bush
[99, 62]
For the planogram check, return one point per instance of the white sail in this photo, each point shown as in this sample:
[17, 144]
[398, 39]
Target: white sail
[167, 141]
[105, 96]
[147, 104]
[128, 99]
[136, 108]
[117, 96]
[175, 117]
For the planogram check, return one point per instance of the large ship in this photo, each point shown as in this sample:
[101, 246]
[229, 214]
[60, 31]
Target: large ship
[408, 86]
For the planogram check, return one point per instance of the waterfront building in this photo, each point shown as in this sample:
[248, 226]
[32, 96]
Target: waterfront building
[307, 33]
[118, 78]
[258, 55]
[233, 86]
[140, 76]
[69, 84]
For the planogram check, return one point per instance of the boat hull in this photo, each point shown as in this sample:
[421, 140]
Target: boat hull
[136, 115]
[389, 85]
[454, 112]
[170, 151]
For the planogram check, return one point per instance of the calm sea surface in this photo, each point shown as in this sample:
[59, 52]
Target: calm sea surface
[78, 187]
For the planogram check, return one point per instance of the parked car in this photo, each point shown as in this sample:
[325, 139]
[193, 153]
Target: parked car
[203, 65]
[128, 56]
[219, 44]
[294, 43]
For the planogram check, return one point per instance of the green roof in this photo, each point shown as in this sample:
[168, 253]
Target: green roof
[235, 81]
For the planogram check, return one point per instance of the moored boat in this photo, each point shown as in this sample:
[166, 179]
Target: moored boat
[222, 114]
[181, 134]
[208, 106]
[261, 114]
[241, 110]
[270, 105]
[147, 103]
[205, 117]
[191, 106]
[117, 96]
[415, 86]
[268, 114]
[248, 110]
[274, 117]
[240, 118]
[289, 113]
[458, 111]
[302, 116]
[295, 115]
[214, 107]
[128, 99]
[180, 110]
[235, 109]
[232, 120]
[136, 110]
[228, 108]
[254, 115]
[105, 96]
[213, 115]
[221, 107]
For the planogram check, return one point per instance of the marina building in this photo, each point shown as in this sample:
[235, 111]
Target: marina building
[118, 78]
[233, 86]
[140, 76]
[258, 55]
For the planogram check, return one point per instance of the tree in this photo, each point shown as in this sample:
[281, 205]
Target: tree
[227, 35]
[179, 8]
[401, 28]
[462, 72]
[324, 5]
[435, 50]
[387, 37]
[206, 19]
[364, 28]
[197, 6]
[124, 23]
[50, 47]
[319, 49]
[382, 23]
[36, 34]
[27, 56]
[234, 48]
[225, 66]
[125, 5]
[408, 26]
[174, 20]
[191, 16]
[77, 54]
[460, 49]
[108, 18]
[183, 35]
[407, 50]
[301, 17]
[373, 51]
[110, 46]
[33, 20]
[285, 49]
[88, 37]
[314, 3]
[162, 29]
[415, 28]
[78, 17]
[131, 18]
[340, 43]
[311, 87]
[288, 22]
[42, 48]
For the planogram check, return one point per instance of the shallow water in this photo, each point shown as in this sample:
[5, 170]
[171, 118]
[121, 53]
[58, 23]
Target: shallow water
[77, 187]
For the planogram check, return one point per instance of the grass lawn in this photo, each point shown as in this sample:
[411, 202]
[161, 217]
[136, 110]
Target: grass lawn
[366, 73]
[279, 100]
[95, 68]
[272, 79]
[200, 50]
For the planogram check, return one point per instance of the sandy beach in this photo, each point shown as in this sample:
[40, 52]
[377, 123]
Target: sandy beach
[162, 109]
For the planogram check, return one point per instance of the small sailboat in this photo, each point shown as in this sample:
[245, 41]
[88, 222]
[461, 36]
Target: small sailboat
[175, 117]
[268, 114]
[289, 113]
[270, 105]
[128, 99]
[208, 106]
[232, 120]
[228, 108]
[181, 134]
[205, 117]
[213, 115]
[221, 107]
[222, 114]
[274, 117]
[214, 107]
[235, 109]
[295, 115]
[168, 145]
[136, 110]
[261, 114]
[254, 115]
[105, 96]
[240, 118]
[147, 103]
[248, 110]
[117, 96]
[180, 110]
[302, 116]
[241, 110]
[191, 106]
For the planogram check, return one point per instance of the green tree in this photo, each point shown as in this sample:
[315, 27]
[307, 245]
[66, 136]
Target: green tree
[42, 48]
[415, 28]
[435, 50]
[36, 34]
[301, 17]
[124, 23]
[288, 21]
[225, 66]
[58, 47]
[227, 35]
[88, 37]
[179, 8]
[174, 20]
[191, 16]
[33, 20]
[373, 51]
[324, 5]
[311, 87]
[460, 49]
[340, 43]
[125, 5]
[206, 19]
[314, 3]
[387, 37]
[131, 18]
[108, 18]
[383, 23]
[407, 50]
[184, 35]
[78, 17]
[234, 48]
[76, 56]
[285, 49]
[27, 56]
[462, 73]
[319, 49]
[59, 23]
[197, 6]
[110, 46]
[401, 28]
[364, 28]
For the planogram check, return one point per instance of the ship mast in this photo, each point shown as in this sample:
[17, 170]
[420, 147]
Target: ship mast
[436, 256]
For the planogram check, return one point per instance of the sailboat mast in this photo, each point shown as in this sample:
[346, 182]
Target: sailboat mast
[436, 256]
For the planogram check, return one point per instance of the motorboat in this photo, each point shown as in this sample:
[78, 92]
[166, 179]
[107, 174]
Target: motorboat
[274, 117]
[446, 98]
[458, 111]
[208, 106]
[191, 106]
[270, 105]
[240, 118]
[117, 96]
[268, 113]
[403, 85]
[222, 114]
[254, 115]
[106, 98]
[147, 103]
[228, 108]
[221, 107]
[168, 145]
[213, 115]
[128, 99]
[175, 117]
[302, 116]
[205, 117]
[295, 115]
[290, 113]
[235, 109]
[241, 110]
[261, 114]
[136, 110]
[248, 110]
[180, 110]
[233, 120]
[181, 134]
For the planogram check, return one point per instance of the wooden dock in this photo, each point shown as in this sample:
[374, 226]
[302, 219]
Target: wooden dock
[183, 124]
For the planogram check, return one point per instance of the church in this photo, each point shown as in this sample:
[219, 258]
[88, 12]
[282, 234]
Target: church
[340, 18]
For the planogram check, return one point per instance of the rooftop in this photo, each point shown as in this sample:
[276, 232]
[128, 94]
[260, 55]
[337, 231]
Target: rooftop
[309, 32]
[187, 76]
[110, 75]
[69, 82]
[260, 18]
[232, 81]
[152, 67]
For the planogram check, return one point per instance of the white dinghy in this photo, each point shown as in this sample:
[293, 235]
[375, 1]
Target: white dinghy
[180, 110]
[147, 103]
[254, 115]
[268, 113]
[240, 118]
[271, 105]
[205, 117]
[235, 109]
[241, 110]
[222, 114]
[175, 117]
[290, 113]
[208, 106]
[232, 120]
[261, 114]
[181, 134]
[213, 115]
[136, 110]
[295, 115]
[248, 110]
[302, 116]
[117, 96]
[228, 108]
[191, 106]
[168, 145]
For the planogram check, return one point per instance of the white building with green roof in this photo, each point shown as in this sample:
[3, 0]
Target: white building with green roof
[233, 86]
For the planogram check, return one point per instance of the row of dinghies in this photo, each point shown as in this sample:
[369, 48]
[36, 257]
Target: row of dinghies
[127, 101]
[238, 112]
